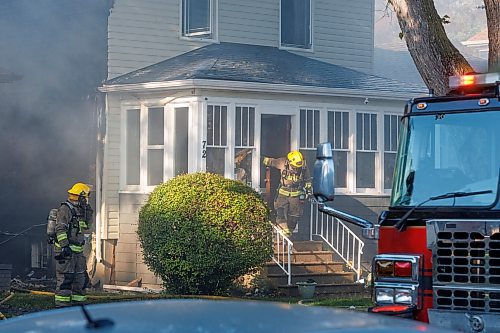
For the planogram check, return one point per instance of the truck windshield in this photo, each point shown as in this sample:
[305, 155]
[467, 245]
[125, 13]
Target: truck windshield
[448, 152]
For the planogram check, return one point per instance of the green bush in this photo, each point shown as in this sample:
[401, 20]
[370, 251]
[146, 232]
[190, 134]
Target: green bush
[201, 231]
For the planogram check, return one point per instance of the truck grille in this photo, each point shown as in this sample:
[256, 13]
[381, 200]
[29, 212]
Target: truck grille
[466, 264]
[468, 257]
[470, 300]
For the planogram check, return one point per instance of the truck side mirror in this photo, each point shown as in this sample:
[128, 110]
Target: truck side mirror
[324, 174]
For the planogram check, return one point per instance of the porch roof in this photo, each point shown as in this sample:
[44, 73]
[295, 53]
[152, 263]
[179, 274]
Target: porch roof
[232, 62]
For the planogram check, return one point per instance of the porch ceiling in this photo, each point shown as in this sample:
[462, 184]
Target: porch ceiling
[253, 64]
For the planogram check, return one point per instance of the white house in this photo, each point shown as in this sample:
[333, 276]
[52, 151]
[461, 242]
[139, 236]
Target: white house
[193, 82]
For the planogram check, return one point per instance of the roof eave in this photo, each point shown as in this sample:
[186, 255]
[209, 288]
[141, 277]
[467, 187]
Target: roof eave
[256, 87]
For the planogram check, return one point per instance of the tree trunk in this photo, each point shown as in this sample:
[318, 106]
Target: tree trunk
[493, 19]
[434, 55]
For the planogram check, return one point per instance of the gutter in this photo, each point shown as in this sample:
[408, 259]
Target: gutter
[260, 88]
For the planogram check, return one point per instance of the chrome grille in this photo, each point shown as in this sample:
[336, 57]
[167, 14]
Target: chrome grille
[467, 299]
[467, 257]
[466, 264]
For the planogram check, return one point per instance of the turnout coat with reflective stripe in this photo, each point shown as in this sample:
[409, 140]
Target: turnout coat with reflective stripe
[292, 182]
[70, 227]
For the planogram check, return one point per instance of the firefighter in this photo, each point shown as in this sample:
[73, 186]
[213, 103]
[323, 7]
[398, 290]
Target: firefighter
[73, 218]
[293, 188]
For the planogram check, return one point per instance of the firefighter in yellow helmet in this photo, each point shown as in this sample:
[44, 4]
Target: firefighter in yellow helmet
[73, 220]
[294, 185]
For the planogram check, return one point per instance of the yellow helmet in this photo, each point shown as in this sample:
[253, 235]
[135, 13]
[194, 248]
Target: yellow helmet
[295, 159]
[80, 189]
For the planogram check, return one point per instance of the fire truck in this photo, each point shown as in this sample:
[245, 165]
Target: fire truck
[438, 255]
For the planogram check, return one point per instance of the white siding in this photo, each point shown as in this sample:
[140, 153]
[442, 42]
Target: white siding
[141, 33]
[249, 22]
[145, 32]
[111, 181]
[343, 32]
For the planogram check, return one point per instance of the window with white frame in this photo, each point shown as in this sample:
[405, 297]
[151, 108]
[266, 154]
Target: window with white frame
[197, 18]
[366, 149]
[391, 135]
[216, 139]
[244, 143]
[133, 147]
[296, 24]
[309, 134]
[338, 136]
[181, 140]
[144, 147]
[155, 146]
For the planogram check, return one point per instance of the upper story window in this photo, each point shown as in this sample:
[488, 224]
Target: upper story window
[296, 24]
[197, 18]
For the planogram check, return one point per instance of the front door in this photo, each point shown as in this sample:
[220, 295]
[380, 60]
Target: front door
[274, 142]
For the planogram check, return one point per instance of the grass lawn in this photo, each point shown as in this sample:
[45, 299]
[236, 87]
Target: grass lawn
[22, 303]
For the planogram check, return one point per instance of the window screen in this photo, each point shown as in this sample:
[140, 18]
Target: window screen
[366, 148]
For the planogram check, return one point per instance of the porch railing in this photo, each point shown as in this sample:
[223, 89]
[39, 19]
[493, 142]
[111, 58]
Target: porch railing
[339, 237]
[282, 247]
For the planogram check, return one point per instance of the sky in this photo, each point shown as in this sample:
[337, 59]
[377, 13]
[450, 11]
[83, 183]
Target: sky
[466, 19]
[392, 58]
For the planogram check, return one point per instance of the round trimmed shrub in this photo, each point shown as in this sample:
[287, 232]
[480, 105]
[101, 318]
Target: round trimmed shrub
[201, 231]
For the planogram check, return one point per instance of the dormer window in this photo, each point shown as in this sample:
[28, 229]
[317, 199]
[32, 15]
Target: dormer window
[296, 31]
[197, 18]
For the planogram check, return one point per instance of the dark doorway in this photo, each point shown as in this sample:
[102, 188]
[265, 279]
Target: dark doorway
[274, 142]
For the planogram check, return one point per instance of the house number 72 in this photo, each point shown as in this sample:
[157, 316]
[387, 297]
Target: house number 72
[203, 149]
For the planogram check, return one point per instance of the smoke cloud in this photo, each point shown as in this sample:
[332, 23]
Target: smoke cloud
[48, 125]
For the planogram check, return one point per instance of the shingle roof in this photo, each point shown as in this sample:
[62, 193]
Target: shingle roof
[259, 64]
[481, 36]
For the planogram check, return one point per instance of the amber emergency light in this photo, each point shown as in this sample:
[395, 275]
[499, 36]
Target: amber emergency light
[475, 79]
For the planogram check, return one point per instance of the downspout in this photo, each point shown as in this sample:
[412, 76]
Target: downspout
[98, 245]
[101, 109]
[101, 128]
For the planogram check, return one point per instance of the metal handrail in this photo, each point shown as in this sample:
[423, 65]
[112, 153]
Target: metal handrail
[282, 247]
[338, 236]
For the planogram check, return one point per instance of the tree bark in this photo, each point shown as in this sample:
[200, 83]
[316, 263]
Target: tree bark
[434, 55]
[492, 8]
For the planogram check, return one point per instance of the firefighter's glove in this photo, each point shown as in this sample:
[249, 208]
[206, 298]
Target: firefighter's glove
[82, 201]
[88, 212]
[66, 252]
[308, 189]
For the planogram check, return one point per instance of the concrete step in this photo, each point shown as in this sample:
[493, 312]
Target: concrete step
[309, 267]
[307, 256]
[328, 290]
[308, 246]
[320, 278]
[312, 256]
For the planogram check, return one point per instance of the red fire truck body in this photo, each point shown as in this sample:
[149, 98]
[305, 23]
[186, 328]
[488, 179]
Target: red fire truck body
[438, 255]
